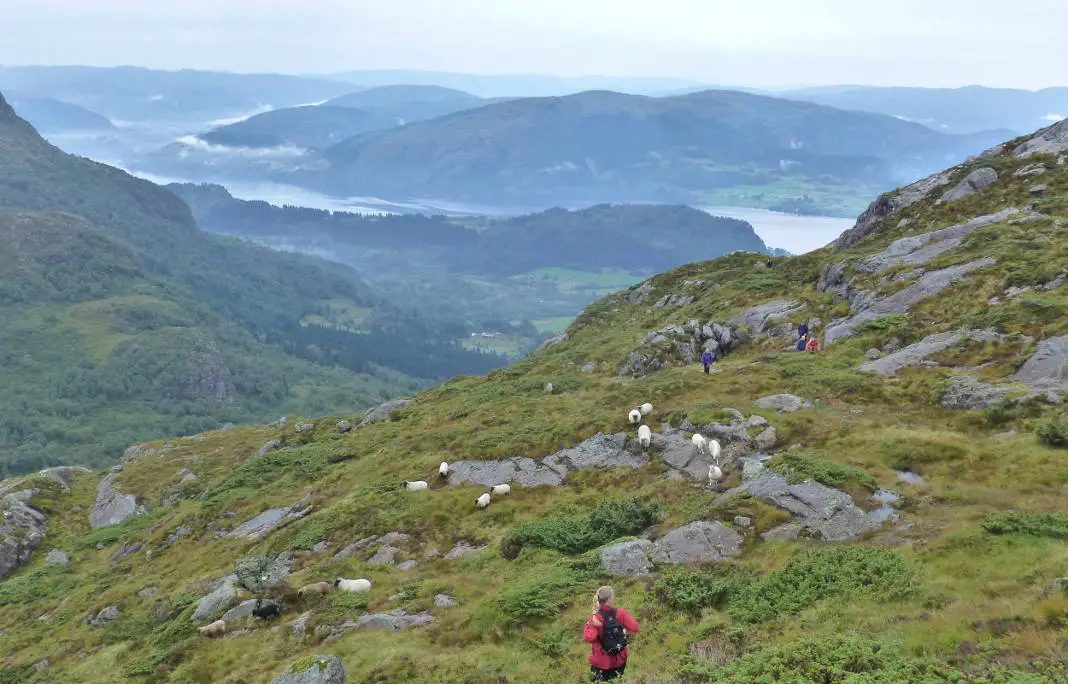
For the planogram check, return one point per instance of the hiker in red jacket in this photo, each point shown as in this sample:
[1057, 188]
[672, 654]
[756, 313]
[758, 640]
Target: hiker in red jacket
[605, 631]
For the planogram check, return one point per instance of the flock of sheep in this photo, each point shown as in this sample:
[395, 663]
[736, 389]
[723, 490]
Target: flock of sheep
[701, 444]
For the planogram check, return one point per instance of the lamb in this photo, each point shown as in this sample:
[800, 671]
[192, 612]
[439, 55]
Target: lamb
[415, 486]
[635, 416]
[645, 436]
[646, 409]
[358, 585]
[714, 450]
[443, 469]
[500, 490]
[315, 588]
[483, 500]
[714, 474]
[215, 629]
[266, 610]
[700, 444]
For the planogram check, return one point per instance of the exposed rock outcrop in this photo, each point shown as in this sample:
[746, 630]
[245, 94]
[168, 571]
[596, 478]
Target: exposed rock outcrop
[22, 529]
[1050, 140]
[259, 573]
[888, 205]
[526, 471]
[968, 394]
[394, 621]
[974, 182]
[868, 308]
[262, 524]
[682, 344]
[385, 411]
[698, 541]
[629, 558]
[1047, 369]
[783, 403]
[758, 318]
[914, 354]
[222, 598]
[317, 669]
[112, 506]
[827, 513]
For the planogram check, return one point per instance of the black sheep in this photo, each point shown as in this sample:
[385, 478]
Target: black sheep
[266, 610]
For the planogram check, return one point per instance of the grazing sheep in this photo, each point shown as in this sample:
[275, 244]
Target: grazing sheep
[266, 610]
[415, 486]
[315, 588]
[500, 490]
[714, 474]
[714, 450]
[700, 444]
[635, 416]
[483, 500]
[215, 629]
[645, 436]
[358, 585]
[646, 409]
[443, 469]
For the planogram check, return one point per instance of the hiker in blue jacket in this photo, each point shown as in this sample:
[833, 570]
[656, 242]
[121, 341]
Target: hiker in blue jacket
[801, 343]
[707, 359]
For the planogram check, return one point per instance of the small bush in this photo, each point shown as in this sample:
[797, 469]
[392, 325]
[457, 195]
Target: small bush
[693, 591]
[829, 661]
[837, 572]
[539, 598]
[348, 604]
[1053, 525]
[130, 528]
[556, 641]
[607, 521]
[884, 323]
[1053, 433]
[798, 468]
[16, 675]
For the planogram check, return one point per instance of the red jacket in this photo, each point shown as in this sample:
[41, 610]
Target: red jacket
[592, 633]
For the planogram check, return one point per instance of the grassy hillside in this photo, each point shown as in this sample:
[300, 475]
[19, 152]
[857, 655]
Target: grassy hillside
[967, 584]
[311, 127]
[51, 115]
[123, 321]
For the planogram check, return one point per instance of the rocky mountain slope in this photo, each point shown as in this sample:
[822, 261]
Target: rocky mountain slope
[121, 320]
[892, 507]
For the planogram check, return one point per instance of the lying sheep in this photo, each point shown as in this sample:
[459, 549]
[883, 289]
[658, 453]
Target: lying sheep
[415, 486]
[443, 469]
[215, 629]
[500, 490]
[700, 444]
[357, 585]
[635, 416]
[314, 588]
[483, 500]
[714, 450]
[646, 409]
[266, 610]
[645, 436]
[714, 474]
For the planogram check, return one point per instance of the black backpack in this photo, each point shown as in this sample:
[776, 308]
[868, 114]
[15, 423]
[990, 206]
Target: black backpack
[613, 640]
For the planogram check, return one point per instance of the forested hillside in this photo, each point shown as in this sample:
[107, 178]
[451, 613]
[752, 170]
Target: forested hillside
[122, 320]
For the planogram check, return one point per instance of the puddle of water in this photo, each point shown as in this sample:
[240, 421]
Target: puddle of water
[886, 496]
[886, 511]
[910, 477]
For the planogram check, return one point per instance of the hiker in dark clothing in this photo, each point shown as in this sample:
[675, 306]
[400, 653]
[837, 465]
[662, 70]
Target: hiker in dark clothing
[605, 631]
[802, 330]
[707, 359]
[801, 343]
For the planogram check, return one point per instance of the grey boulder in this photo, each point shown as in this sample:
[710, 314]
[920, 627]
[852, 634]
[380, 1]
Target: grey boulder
[385, 411]
[698, 541]
[1047, 369]
[782, 403]
[394, 621]
[112, 506]
[317, 669]
[525, 471]
[22, 530]
[968, 394]
[630, 558]
[220, 599]
[974, 182]
[57, 557]
[914, 354]
[259, 573]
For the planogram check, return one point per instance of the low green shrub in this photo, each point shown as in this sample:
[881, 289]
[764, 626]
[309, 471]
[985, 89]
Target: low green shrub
[1053, 525]
[16, 675]
[607, 521]
[348, 604]
[1053, 433]
[828, 661]
[47, 583]
[693, 591]
[539, 598]
[798, 468]
[835, 572]
[128, 529]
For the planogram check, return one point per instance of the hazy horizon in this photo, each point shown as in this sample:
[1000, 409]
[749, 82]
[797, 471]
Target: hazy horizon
[769, 44]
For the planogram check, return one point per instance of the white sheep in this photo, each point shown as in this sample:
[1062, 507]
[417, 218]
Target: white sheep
[483, 500]
[358, 585]
[646, 409]
[215, 629]
[700, 444]
[714, 450]
[645, 436]
[314, 588]
[415, 486]
[714, 474]
[635, 416]
[500, 490]
[443, 469]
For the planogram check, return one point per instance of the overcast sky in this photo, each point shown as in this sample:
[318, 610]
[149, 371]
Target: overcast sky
[733, 42]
